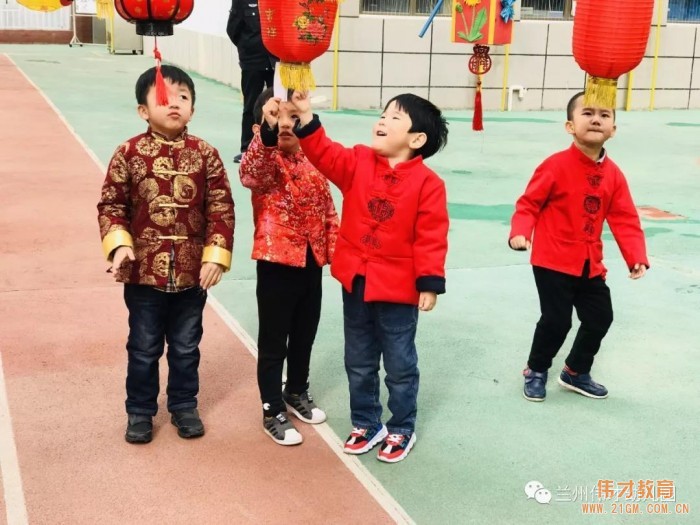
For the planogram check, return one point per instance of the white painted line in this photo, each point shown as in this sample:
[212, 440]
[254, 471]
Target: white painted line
[15, 507]
[353, 464]
[373, 486]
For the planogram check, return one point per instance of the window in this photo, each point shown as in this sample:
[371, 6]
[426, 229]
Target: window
[684, 11]
[546, 9]
[403, 7]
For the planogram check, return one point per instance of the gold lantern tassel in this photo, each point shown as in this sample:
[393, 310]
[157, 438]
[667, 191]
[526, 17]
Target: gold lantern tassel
[600, 92]
[297, 76]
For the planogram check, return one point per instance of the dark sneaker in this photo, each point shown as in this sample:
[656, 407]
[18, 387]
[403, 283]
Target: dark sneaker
[363, 440]
[139, 428]
[281, 430]
[237, 158]
[582, 384]
[535, 385]
[396, 447]
[188, 423]
[303, 407]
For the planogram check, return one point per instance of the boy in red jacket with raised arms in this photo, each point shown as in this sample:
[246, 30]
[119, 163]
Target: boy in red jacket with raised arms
[389, 257]
[565, 203]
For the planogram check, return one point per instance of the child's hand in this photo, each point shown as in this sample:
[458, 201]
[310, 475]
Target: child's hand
[520, 243]
[120, 255]
[638, 271]
[303, 106]
[427, 301]
[210, 275]
[271, 111]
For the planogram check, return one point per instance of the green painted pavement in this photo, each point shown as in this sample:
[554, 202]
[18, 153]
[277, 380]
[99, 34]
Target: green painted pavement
[479, 441]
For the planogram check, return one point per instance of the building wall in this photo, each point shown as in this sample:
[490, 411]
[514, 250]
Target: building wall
[381, 56]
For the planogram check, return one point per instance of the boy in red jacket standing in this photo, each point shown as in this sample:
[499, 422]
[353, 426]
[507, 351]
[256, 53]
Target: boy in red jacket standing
[389, 257]
[565, 203]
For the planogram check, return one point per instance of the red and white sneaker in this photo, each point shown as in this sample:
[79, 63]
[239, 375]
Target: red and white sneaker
[362, 440]
[396, 447]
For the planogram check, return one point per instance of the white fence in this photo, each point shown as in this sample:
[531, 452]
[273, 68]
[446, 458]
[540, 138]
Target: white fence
[15, 16]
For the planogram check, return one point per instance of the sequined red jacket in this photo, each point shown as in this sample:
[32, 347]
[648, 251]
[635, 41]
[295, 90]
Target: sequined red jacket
[394, 221]
[565, 204]
[159, 195]
[292, 205]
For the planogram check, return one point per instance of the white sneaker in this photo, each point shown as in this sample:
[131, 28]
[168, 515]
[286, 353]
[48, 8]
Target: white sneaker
[281, 430]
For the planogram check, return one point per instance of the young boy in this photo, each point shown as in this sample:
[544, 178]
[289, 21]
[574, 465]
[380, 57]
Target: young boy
[390, 258]
[295, 230]
[166, 220]
[565, 203]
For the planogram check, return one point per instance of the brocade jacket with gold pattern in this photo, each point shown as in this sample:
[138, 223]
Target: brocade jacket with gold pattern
[292, 204]
[164, 197]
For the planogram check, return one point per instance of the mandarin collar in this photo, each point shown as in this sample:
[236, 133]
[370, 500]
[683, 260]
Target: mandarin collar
[158, 137]
[581, 156]
[402, 166]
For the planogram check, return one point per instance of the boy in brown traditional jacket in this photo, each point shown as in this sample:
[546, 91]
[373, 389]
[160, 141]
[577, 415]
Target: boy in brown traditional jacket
[166, 220]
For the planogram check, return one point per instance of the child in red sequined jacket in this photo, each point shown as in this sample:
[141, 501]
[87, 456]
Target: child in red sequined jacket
[296, 226]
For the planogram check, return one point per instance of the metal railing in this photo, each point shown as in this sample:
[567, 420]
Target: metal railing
[403, 7]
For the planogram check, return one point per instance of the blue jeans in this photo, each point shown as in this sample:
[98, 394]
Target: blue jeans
[156, 317]
[374, 330]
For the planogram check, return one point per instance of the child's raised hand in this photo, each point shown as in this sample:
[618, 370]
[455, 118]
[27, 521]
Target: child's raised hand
[210, 275]
[301, 102]
[427, 301]
[120, 255]
[520, 243]
[638, 271]
[271, 111]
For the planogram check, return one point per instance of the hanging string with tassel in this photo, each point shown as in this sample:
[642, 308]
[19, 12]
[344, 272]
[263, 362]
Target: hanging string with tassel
[161, 88]
[478, 118]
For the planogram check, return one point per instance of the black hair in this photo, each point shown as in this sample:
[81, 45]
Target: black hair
[148, 79]
[259, 103]
[572, 105]
[426, 118]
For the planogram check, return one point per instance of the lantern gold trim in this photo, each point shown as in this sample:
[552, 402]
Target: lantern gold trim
[600, 92]
[297, 76]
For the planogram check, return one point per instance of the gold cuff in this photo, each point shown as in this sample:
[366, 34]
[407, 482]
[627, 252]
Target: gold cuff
[114, 240]
[218, 255]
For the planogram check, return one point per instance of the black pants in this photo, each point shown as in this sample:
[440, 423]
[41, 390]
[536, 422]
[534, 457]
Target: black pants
[559, 294]
[252, 84]
[289, 309]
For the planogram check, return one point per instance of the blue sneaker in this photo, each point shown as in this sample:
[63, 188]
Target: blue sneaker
[582, 384]
[535, 383]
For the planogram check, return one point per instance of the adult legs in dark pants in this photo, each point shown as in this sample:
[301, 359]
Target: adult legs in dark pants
[289, 310]
[253, 82]
[559, 294]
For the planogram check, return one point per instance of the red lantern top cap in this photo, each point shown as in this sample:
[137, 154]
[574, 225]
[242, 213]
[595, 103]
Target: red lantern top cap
[154, 17]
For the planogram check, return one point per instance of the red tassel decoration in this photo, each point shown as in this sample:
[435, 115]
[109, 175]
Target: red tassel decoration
[162, 98]
[478, 118]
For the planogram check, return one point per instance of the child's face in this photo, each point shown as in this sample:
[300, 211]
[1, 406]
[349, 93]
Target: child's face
[168, 120]
[287, 117]
[391, 137]
[591, 126]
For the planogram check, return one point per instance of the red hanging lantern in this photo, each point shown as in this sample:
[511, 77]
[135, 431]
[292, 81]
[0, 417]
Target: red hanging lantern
[609, 41]
[297, 31]
[154, 17]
